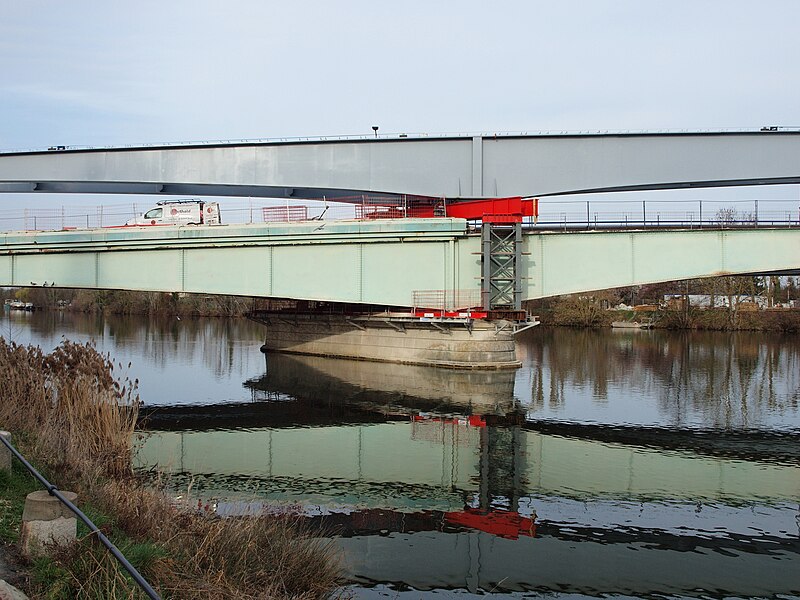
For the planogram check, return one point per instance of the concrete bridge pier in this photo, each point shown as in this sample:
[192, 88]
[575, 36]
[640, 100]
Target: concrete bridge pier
[430, 339]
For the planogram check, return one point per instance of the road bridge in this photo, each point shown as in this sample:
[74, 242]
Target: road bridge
[435, 265]
[452, 166]
[380, 262]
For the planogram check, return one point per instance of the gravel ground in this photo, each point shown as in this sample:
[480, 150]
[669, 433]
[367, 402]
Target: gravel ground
[10, 570]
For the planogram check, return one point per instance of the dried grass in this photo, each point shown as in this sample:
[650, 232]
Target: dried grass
[212, 557]
[78, 421]
[78, 415]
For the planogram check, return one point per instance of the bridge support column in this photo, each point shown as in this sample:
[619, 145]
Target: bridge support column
[501, 246]
[456, 343]
[477, 166]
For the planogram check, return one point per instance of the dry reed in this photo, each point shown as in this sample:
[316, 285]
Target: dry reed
[78, 422]
[214, 557]
[71, 405]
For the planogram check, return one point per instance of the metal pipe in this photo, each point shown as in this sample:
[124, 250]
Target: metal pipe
[53, 491]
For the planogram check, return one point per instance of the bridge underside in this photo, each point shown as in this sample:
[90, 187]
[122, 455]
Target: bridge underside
[346, 195]
[379, 263]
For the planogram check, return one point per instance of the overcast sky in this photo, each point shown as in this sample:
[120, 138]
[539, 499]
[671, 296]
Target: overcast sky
[88, 72]
[97, 73]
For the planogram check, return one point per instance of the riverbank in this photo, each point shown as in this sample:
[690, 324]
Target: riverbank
[83, 442]
[122, 302]
[568, 311]
[574, 312]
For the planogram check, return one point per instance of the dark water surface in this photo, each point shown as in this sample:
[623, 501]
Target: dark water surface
[640, 464]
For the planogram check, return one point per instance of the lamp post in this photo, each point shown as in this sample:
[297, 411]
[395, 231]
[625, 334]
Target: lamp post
[375, 129]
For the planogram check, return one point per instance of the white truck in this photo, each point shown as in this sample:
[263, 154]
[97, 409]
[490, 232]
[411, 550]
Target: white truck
[180, 212]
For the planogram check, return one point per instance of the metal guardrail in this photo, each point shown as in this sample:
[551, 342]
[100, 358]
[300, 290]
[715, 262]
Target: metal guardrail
[666, 214]
[446, 299]
[53, 491]
[284, 214]
[554, 214]
[401, 135]
[661, 223]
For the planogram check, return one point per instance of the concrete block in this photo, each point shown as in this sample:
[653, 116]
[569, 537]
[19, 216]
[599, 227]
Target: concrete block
[5, 453]
[9, 592]
[46, 521]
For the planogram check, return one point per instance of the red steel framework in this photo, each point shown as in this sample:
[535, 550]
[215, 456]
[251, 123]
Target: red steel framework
[501, 220]
[369, 207]
[489, 210]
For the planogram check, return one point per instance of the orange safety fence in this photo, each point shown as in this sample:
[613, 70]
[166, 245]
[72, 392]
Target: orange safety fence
[284, 214]
[374, 211]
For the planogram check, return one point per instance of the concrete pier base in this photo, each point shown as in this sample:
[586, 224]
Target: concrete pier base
[393, 337]
[46, 521]
[5, 453]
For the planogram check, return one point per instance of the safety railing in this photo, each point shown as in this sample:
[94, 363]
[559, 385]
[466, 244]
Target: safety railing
[448, 300]
[554, 214]
[397, 136]
[53, 491]
[369, 212]
[284, 214]
[690, 214]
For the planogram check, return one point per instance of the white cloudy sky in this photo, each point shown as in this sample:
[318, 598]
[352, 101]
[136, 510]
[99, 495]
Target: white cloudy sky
[90, 72]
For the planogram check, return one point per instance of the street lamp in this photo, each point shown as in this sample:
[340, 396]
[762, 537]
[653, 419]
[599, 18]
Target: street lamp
[375, 129]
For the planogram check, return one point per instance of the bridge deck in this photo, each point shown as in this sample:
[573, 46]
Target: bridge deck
[376, 262]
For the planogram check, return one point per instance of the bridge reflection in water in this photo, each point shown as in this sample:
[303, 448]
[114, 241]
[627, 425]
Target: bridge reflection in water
[435, 479]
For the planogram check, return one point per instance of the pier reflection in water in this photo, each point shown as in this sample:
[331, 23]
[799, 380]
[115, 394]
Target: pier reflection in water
[641, 464]
[449, 489]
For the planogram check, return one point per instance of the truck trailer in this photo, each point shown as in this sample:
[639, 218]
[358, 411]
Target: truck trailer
[180, 212]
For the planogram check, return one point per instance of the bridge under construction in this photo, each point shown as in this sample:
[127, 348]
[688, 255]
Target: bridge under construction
[436, 269]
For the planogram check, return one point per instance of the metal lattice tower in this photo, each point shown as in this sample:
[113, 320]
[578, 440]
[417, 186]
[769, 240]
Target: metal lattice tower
[501, 247]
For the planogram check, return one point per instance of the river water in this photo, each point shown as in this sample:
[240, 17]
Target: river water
[633, 463]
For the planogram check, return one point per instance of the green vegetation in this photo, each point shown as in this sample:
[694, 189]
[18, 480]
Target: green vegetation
[73, 419]
[87, 570]
[14, 486]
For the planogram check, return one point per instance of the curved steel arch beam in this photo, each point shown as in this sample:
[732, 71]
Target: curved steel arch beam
[452, 167]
